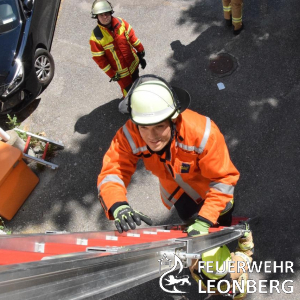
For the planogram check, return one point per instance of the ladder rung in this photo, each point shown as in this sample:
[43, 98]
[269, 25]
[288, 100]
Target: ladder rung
[59, 144]
[41, 161]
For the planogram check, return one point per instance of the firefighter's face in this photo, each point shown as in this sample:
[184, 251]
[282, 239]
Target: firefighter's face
[156, 136]
[105, 18]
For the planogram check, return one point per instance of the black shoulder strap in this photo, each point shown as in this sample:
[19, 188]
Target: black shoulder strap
[98, 33]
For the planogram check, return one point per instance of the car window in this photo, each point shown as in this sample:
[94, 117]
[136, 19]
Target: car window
[9, 15]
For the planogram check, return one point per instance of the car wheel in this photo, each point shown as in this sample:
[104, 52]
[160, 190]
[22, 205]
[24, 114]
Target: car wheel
[44, 66]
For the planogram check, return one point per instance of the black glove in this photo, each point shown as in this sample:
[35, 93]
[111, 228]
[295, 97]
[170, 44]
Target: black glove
[143, 62]
[141, 54]
[116, 77]
[125, 214]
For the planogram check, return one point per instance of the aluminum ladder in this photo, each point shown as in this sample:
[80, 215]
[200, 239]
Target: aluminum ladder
[42, 160]
[96, 265]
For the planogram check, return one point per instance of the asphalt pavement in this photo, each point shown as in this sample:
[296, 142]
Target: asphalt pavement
[257, 111]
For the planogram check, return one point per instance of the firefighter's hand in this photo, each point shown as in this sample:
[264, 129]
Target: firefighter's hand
[116, 77]
[124, 215]
[143, 63]
[141, 54]
[198, 228]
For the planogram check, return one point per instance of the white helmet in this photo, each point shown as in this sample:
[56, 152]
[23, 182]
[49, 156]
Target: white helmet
[101, 6]
[153, 101]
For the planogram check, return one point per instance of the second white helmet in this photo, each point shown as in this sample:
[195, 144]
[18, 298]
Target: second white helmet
[101, 6]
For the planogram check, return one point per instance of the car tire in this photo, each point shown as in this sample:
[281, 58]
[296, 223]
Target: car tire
[44, 66]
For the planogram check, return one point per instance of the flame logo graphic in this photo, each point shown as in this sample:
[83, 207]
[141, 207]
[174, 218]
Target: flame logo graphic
[174, 280]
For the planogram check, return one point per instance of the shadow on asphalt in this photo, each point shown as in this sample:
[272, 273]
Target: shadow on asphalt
[257, 112]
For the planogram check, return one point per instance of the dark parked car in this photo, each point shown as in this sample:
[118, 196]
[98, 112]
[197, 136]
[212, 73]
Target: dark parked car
[26, 65]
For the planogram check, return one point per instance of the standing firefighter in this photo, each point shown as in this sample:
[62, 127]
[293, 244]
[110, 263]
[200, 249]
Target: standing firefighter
[115, 47]
[233, 11]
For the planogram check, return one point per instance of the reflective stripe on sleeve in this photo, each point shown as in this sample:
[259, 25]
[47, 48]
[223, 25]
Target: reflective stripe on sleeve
[100, 53]
[110, 178]
[137, 42]
[222, 187]
[129, 138]
[108, 67]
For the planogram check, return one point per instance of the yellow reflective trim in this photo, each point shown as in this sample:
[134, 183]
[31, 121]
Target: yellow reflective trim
[114, 54]
[236, 20]
[108, 47]
[124, 74]
[123, 71]
[121, 29]
[106, 68]
[98, 53]
[94, 39]
[129, 29]
[107, 38]
[227, 8]
[133, 66]
[136, 43]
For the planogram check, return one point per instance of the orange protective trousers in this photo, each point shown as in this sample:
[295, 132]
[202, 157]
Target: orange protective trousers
[233, 9]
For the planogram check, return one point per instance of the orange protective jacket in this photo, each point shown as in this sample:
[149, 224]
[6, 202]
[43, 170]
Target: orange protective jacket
[114, 51]
[199, 166]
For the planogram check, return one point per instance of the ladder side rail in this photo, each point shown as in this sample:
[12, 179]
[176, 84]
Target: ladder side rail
[93, 234]
[51, 264]
[114, 273]
[59, 144]
[197, 245]
[41, 161]
[220, 238]
[26, 242]
[78, 276]
[127, 265]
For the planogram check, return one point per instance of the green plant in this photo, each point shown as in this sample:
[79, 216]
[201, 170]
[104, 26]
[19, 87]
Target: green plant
[13, 122]
[3, 227]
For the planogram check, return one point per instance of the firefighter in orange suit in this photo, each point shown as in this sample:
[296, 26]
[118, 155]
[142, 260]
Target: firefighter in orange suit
[115, 47]
[233, 11]
[184, 149]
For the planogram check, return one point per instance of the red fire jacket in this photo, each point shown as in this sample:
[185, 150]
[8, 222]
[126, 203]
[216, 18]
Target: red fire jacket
[115, 51]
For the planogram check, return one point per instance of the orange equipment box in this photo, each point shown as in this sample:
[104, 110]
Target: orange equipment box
[17, 180]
